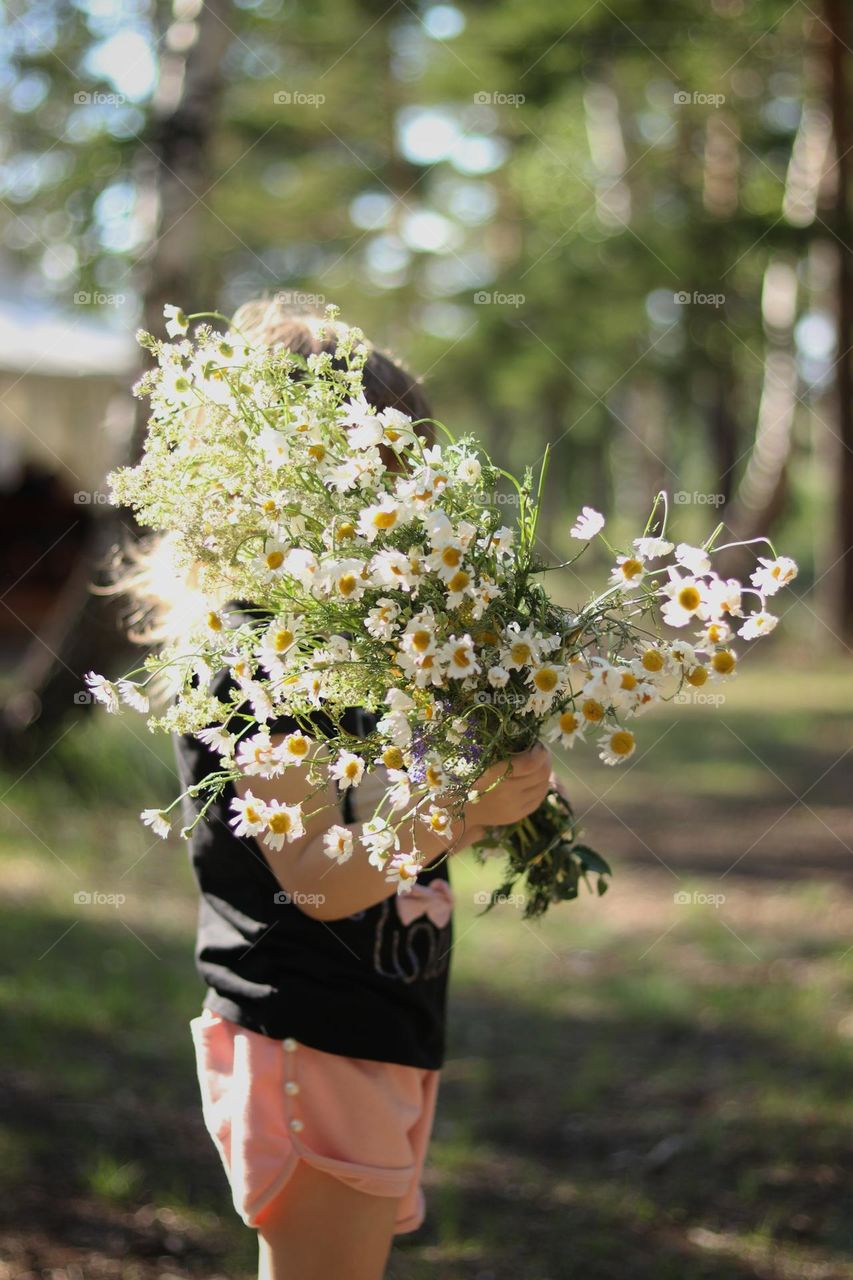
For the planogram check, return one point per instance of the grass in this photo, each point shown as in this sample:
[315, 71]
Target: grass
[655, 1084]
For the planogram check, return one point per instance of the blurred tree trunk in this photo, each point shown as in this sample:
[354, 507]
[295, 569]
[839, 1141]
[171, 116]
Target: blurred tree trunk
[174, 174]
[838, 22]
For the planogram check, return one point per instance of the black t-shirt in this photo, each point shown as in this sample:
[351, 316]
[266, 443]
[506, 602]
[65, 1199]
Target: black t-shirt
[365, 986]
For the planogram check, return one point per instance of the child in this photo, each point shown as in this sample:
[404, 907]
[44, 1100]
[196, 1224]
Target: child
[322, 1035]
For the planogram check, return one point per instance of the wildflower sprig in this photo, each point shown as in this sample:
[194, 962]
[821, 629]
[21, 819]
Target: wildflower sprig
[342, 556]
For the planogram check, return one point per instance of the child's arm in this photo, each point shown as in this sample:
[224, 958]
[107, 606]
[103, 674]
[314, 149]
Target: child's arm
[329, 891]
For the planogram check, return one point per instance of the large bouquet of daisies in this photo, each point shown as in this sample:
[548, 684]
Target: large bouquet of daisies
[374, 569]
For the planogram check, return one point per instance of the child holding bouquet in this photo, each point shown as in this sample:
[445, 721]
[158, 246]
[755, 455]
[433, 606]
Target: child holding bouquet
[322, 1036]
[364, 659]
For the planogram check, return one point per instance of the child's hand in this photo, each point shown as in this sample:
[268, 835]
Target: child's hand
[522, 784]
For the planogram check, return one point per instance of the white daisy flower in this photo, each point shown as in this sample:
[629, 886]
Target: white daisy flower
[437, 819]
[458, 659]
[589, 523]
[394, 569]
[295, 748]
[758, 624]
[380, 518]
[284, 822]
[379, 839]
[724, 597]
[338, 844]
[356, 412]
[403, 870]
[469, 469]
[347, 770]
[379, 621]
[447, 559]
[395, 726]
[397, 428]
[418, 638]
[458, 587]
[176, 322]
[277, 645]
[616, 746]
[158, 821]
[217, 739]
[272, 562]
[629, 572]
[342, 579]
[133, 695]
[103, 691]
[523, 647]
[274, 446]
[256, 756]
[249, 815]
[497, 677]
[695, 559]
[501, 541]
[722, 664]
[566, 728]
[774, 574]
[652, 548]
[301, 564]
[686, 599]
[715, 632]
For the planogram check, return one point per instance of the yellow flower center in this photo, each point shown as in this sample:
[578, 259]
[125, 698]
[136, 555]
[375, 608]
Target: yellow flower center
[459, 581]
[283, 640]
[347, 584]
[317, 452]
[546, 679]
[297, 745]
[461, 657]
[275, 559]
[385, 519]
[629, 680]
[520, 652]
[351, 769]
[434, 776]
[280, 823]
[344, 532]
[697, 677]
[631, 568]
[270, 505]
[392, 758]
[592, 710]
[214, 622]
[438, 821]
[421, 640]
[568, 722]
[622, 742]
[723, 662]
[451, 557]
[653, 660]
[251, 814]
[689, 598]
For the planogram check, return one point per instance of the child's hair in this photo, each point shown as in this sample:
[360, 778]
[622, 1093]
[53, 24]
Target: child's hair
[162, 603]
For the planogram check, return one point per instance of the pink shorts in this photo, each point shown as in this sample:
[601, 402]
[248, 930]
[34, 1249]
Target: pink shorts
[269, 1103]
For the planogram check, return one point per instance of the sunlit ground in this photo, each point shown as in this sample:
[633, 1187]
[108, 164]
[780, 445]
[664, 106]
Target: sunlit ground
[655, 1084]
